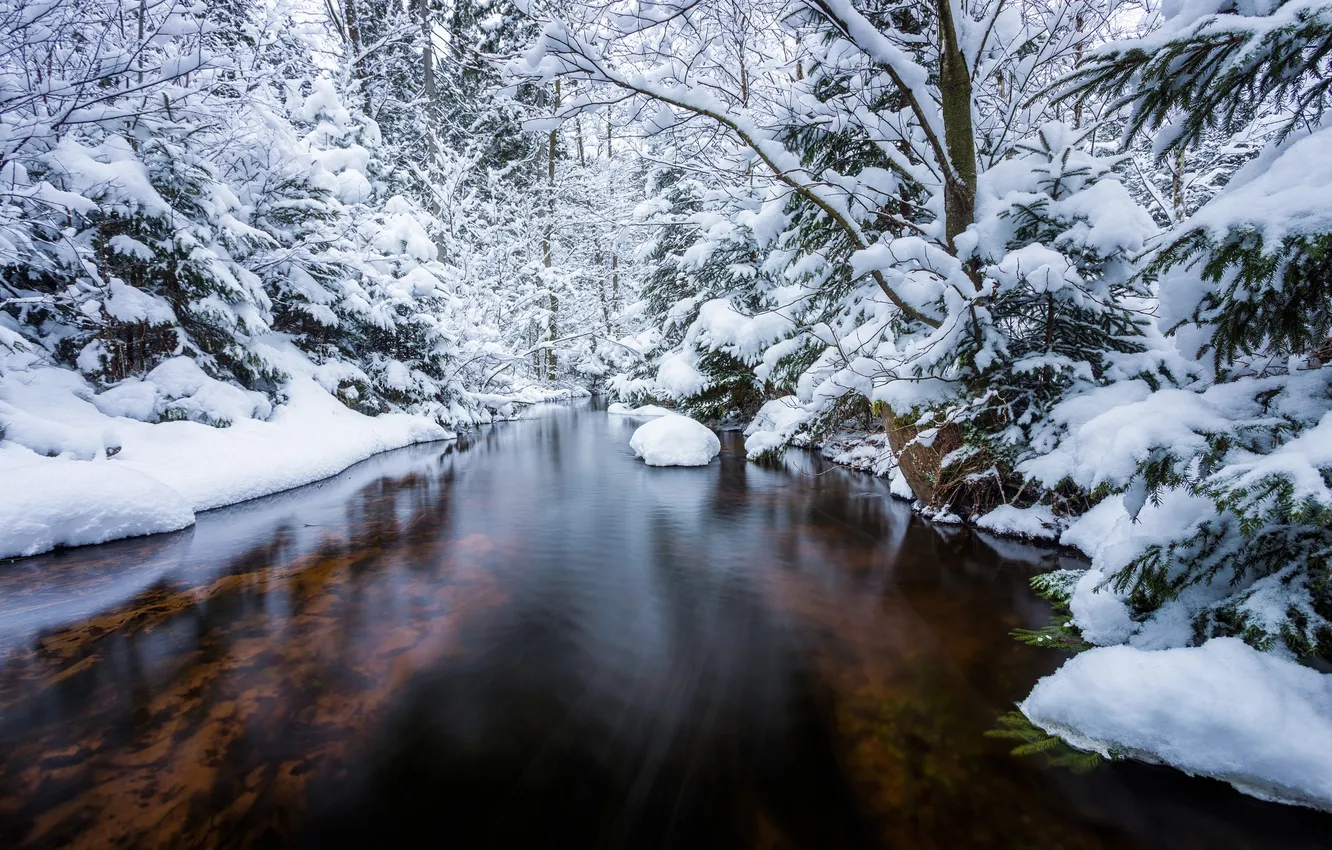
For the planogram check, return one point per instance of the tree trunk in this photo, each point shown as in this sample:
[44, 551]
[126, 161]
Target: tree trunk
[614, 288]
[428, 78]
[353, 27]
[1177, 186]
[959, 134]
[919, 462]
[547, 246]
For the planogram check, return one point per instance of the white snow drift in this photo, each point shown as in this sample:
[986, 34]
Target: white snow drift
[647, 410]
[72, 472]
[675, 441]
[72, 503]
[1258, 721]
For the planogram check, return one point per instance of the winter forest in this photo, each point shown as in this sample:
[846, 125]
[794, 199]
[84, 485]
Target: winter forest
[1057, 270]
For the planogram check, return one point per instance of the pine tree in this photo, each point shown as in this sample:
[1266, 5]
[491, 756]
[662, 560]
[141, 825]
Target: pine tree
[1059, 234]
[1245, 283]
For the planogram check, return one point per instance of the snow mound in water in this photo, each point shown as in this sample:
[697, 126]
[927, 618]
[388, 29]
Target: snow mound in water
[675, 441]
[75, 502]
[1261, 722]
[1037, 522]
[620, 409]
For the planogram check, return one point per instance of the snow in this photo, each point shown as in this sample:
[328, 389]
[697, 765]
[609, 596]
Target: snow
[720, 326]
[1112, 429]
[1261, 722]
[620, 409]
[775, 424]
[132, 305]
[898, 486]
[1037, 522]
[74, 503]
[678, 377]
[867, 451]
[675, 441]
[178, 388]
[313, 436]
[74, 471]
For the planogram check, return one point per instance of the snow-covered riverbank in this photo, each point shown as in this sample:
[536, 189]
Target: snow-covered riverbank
[1224, 710]
[78, 467]
[73, 474]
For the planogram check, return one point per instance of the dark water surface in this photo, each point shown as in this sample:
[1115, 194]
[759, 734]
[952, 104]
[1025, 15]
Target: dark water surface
[531, 640]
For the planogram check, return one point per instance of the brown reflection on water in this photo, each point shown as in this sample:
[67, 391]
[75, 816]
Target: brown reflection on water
[194, 715]
[537, 641]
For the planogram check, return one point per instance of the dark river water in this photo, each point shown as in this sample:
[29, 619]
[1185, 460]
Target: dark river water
[531, 640]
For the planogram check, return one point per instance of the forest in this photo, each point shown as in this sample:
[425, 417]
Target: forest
[1058, 270]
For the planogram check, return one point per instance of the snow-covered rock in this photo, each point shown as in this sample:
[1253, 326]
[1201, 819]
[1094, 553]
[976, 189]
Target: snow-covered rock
[1037, 522]
[647, 410]
[675, 441]
[77, 502]
[1261, 722]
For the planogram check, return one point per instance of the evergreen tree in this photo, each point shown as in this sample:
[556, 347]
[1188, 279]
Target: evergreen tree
[1058, 234]
[705, 270]
[1245, 283]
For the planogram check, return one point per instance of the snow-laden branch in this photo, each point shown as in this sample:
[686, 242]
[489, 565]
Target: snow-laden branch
[560, 52]
[909, 76]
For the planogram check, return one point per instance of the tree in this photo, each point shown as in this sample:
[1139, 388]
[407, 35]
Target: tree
[1244, 287]
[873, 127]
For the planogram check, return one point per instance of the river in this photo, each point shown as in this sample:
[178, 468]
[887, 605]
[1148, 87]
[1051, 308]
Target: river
[528, 639]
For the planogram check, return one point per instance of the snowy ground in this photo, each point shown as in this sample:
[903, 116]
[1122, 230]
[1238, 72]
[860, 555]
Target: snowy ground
[1257, 720]
[1223, 709]
[112, 476]
[77, 467]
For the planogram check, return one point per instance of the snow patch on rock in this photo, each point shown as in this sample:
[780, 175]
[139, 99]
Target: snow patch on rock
[1037, 522]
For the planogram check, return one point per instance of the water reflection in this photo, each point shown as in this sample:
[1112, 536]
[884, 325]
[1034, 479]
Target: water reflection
[534, 640]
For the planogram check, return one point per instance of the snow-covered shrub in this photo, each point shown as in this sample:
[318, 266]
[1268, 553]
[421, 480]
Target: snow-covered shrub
[710, 296]
[1242, 457]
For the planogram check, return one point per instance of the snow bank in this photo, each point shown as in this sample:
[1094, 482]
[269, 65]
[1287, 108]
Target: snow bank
[774, 425]
[508, 405]
[74, 503]
[311, 437]
[621, 409]
[72, 474]
[1037, 522]
[675, 441]
[1256, 720]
